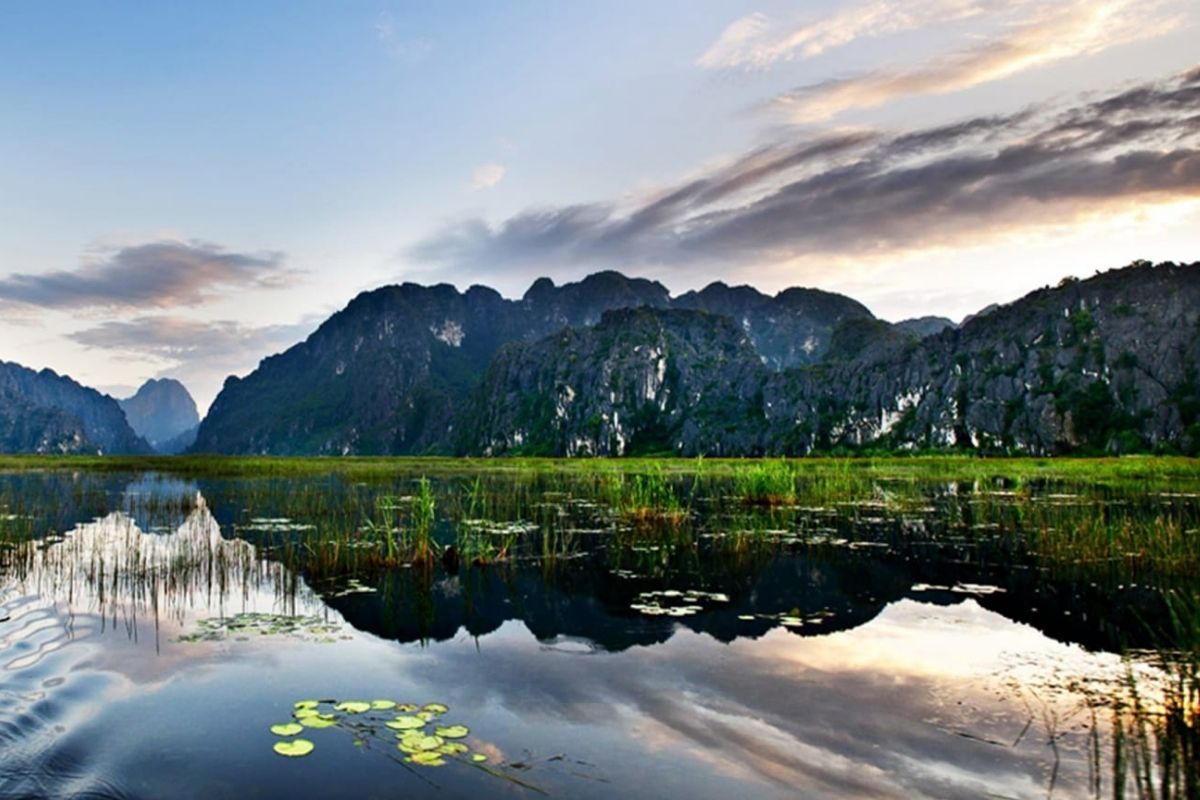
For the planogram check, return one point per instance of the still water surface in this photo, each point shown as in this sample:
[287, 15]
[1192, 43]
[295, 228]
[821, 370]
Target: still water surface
[886, 648]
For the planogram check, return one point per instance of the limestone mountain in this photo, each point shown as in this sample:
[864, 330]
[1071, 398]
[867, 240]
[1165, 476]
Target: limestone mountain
[44, 412]
[163, 413]
[389, 373]
[1104, 365]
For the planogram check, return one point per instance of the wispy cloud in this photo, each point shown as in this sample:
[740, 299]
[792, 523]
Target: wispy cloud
[754, 42]
[402, 48]
[871, 191]
[486, 176]
[201, 354]
[162, 274]
[1050, 33]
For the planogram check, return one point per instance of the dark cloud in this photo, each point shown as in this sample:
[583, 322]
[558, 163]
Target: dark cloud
[162, 274]
[863, 191]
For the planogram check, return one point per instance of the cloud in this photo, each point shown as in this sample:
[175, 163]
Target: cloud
[486, 176]
[1053, 33]
[201, 354]
[162, 274]
[869, 191]
[401, 48]
[754, 43]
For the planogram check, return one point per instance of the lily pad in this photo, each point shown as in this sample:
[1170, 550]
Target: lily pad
[294, 748]
[452, 731]
[319, 721]
[435, 708]
[425, 715]
[404, 723]
[423, 744]
[453, 748]
[383, 705]
[479, 758]
[306, 704]
[353, 707]
[288, 729]
[427, 759]
[407, 708]
[301, 713]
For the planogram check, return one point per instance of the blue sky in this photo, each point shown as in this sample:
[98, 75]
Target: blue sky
[188, 188]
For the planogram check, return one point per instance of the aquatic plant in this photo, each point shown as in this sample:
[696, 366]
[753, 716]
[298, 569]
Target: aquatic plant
[766, 482]
[414, 735]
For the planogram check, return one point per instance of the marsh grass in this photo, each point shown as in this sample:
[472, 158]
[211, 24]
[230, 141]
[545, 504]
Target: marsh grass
[766, 483]
[1156, 730]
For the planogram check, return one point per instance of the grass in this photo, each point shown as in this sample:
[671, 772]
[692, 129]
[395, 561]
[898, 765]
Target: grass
[1156, 739]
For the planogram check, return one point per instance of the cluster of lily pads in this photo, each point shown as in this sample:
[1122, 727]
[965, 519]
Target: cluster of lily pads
[251, 623]
[791, 619]
[675, 603]
[274, 525]
[418, 731]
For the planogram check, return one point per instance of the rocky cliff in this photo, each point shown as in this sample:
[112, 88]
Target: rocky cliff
[389, 373]
[44, 412]
[1103, 365]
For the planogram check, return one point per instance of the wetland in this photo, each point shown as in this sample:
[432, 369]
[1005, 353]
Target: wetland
[891, 627]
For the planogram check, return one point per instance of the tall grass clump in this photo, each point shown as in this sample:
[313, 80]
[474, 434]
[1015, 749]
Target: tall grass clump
[647, 497]
[766, 483]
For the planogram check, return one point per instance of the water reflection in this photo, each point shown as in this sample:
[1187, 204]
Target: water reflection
[842, 653]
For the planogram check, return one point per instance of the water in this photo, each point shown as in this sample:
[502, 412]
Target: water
[908, 643]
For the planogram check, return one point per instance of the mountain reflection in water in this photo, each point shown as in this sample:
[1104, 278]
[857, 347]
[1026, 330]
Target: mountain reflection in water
[817, 671]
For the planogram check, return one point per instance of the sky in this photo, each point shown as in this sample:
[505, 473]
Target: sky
[186, 189]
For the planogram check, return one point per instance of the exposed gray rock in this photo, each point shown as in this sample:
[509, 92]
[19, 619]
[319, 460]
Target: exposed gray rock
[44, 412]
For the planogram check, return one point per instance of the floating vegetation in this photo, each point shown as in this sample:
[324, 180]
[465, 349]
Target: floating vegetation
[675, 603]
[273, 525]
[247, 625]
[417, 732]
[294, 748]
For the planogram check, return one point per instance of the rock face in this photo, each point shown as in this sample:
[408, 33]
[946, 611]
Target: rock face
[1103, 365]
[613, 365]
[641, 381]
[390, 372]
[163, 413]
[43, 412]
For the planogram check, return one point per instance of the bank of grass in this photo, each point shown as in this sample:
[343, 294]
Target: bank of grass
[1017, 470]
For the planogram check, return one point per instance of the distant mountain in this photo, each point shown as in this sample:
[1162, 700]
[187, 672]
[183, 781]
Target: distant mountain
[613, 365]
[924, 326]
[160, 412]
[1104, 365]
[44, 412]
[791, 329]
[389, 373]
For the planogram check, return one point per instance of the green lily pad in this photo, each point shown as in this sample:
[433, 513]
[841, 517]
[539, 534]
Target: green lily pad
[428, 759]
[294, 748]
[319, 721]
[301, 713]
[453, 748]
[353, 706]
[479, 758]
[306, 704]
[421, 744]
[383, 705]
[407, 708]
[403, 723]
[288, 729]
[452, 731]
[435, 708]
[425, 715]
